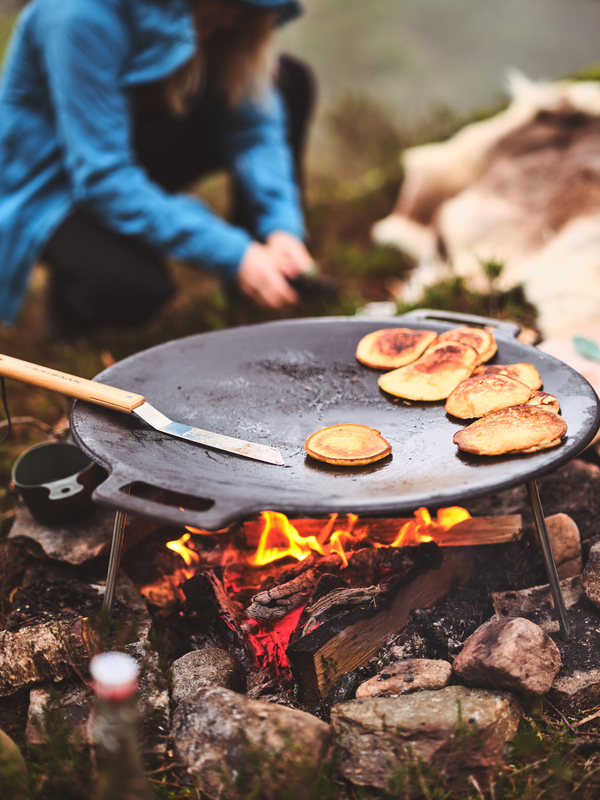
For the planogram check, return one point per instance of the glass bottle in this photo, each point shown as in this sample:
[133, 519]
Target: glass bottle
[120, 775]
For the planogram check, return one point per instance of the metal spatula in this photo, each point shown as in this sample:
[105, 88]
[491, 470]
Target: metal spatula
[128, 403]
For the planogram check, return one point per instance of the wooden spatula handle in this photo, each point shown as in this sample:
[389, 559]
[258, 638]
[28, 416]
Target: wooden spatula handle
[46, 378]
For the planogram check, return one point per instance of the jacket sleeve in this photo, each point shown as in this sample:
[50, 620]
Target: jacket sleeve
[254, 141]
[85, 55]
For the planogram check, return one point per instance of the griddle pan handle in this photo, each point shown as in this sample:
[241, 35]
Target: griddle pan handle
[508, 330]
[46, 378]
[113, 492]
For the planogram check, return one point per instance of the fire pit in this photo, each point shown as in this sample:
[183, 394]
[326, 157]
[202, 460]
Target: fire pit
[275, 384]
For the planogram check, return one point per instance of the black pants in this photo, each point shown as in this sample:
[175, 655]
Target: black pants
[101, 278]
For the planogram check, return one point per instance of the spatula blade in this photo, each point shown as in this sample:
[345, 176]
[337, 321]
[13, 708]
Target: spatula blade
[258, 452]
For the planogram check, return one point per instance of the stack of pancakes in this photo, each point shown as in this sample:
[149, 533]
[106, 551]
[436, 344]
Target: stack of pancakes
[513, 415]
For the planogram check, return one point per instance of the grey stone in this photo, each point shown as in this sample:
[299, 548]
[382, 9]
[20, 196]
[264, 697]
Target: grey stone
[210, 667]
[456, 730]
[219, 734]
[405, 677]
[509, 653]
[73, 702]
[591, 576]
[76, 542]
[566, 545]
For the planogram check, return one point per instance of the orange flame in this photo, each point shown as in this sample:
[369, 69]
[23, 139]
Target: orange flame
[423, 528]
[280, 539]
[179, 547]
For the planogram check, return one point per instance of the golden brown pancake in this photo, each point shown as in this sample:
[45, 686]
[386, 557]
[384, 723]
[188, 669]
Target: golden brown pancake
[393, 347]
[348, 445]
[518, 429]
[481, 394]
[545, 400]
[479, 339]
[526, 373]
[433, 376]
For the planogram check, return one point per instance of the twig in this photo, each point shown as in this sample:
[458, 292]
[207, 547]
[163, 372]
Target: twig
[476, 786]
[586, 719]
[561, 715]
[37, 423]
[568, 724]
[166, 768]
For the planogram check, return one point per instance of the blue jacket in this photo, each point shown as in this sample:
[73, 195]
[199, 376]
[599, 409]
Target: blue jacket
[66, 131]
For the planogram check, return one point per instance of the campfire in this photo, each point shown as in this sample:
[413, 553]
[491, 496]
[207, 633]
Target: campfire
[284, 590]
[301, 613]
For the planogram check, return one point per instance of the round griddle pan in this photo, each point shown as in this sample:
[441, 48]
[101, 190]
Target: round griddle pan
[277, 383]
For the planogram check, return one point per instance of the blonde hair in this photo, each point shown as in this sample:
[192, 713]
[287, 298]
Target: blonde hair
[241, 60]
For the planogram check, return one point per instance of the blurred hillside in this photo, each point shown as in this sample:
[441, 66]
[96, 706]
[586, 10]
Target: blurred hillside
[414, 54]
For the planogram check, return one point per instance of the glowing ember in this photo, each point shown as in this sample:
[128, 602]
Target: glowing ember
[179, 546]
[423, 529]
[270, 641]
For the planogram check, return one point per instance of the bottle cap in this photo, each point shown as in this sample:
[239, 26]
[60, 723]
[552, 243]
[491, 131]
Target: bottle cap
[115, 675]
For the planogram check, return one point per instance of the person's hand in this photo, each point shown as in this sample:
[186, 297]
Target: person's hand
[262, 276]
[293, 250]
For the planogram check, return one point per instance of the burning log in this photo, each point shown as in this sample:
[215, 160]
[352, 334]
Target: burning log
[51, 651]
[346, 637]
[275, 603]
[466, 533]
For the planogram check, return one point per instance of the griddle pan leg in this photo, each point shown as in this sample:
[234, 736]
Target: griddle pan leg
[114, 560]
[557, 595]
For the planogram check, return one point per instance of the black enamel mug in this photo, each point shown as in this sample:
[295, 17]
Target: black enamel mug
[55, 481]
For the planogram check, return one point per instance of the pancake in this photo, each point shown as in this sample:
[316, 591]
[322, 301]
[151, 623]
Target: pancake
[479, 339]
[480, 394]
[391, 348]
[347, 445]
[519, 429]
[545, 400]
[433, 376]
[526, 373]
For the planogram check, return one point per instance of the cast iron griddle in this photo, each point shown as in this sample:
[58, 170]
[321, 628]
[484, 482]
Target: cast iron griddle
[277, 383]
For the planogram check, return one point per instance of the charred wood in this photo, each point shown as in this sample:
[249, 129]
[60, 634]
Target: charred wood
[348, 631]
[276, 603]
[218, 616]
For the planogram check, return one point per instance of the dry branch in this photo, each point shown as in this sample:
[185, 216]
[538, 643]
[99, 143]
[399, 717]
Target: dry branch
[51, 651]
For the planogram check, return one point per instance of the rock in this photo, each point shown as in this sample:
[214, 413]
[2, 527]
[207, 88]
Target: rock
[13, 771]
[72, 702]
[75, 542]
[566, 545]
[577, 685]
[210, 667]
[512, 654]
[219, 735]
[591, 576]
[458, 731]
[152, 701]
[405, 677]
